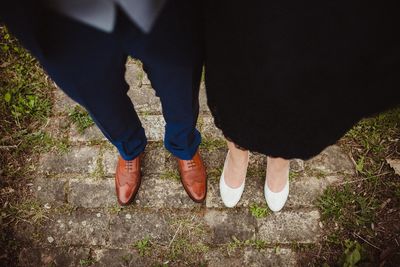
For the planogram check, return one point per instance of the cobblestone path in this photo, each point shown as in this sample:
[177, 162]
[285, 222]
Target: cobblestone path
[84, 226]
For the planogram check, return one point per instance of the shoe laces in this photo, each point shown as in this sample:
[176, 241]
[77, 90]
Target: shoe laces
[129, 165]
[191, 164]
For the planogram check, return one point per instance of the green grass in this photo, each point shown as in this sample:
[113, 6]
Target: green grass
[358, 213]
[99, 172]
[23, 86]
[348, 209]
[127, 258]
[115, 209]
[182, 246]
[352, 254]
[25, 105]
[27, 211]
[187, 245]
[80, 117]
[259, 211]
[143, 246]
[235, 244]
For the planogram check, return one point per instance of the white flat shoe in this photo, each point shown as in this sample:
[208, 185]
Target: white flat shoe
[230, 196]
[276, 200]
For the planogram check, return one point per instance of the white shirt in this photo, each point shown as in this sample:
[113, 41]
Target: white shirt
[101, 13]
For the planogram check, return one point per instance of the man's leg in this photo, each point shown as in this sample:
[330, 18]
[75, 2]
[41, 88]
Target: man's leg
[89, 65]
[172, 54]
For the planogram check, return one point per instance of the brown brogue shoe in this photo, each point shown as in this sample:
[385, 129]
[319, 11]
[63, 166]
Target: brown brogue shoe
[127, 179]
[194, 177]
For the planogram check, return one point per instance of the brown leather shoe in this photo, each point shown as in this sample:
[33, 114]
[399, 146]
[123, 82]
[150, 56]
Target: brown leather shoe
[127, 179]
[194, 177]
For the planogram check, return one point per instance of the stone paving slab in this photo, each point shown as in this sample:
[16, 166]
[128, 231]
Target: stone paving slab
[331, 160]
[127, 228]
[208, 129]
[91, 133]
[145, 100]
[50, 190]
[103, 257]
[119, 230]
[283, 257]
[159, 192]
[290, 226]
[79, 228]
[55, 256]
[120, 258]
[91, 193]
[269, 257]
[77, 160]
[227, 224]
[134, 74]
[62, 104]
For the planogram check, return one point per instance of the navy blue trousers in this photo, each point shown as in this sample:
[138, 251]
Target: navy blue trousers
[89, 66]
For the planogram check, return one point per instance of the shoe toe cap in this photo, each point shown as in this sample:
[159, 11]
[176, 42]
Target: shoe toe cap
[230, 196]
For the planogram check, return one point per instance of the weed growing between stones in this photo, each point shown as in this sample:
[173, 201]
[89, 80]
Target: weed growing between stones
[186, 245]
[360, 214]
[80, 117]
[99, 172]
[115, 209]
[259, 211]
[236, 244]
[143, 246]
[28, 211]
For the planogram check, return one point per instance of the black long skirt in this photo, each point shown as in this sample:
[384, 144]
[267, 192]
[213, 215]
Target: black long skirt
[288, 78]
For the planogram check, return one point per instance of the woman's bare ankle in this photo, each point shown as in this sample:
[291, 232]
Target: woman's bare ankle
[236, 166]
[277, 173]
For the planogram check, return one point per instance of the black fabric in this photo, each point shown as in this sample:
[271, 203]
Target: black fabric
[288, 78]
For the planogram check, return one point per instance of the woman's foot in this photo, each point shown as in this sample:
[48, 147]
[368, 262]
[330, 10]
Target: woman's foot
[233, 176]
[276, 187]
